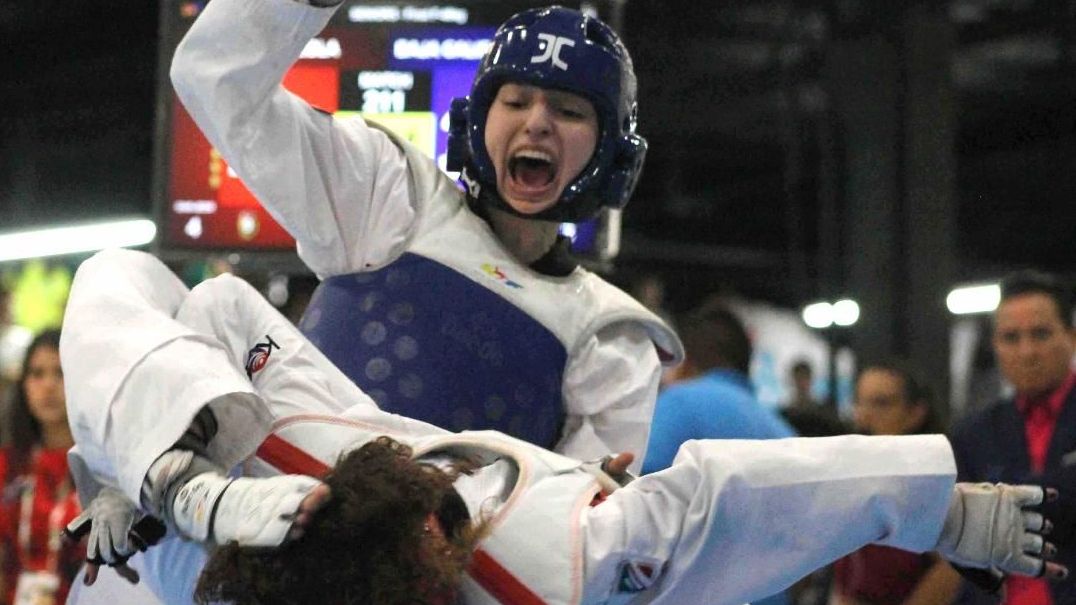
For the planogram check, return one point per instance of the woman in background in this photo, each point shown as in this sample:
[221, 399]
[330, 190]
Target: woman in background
[38, 495]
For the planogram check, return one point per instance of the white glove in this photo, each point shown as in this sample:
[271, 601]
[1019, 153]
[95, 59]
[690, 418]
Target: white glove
[252, 512]
[117, 528]
[987, 526]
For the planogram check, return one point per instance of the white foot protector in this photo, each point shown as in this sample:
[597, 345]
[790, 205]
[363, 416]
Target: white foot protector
[252, 512]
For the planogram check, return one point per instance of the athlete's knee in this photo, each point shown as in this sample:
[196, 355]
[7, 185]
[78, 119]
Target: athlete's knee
[222, 294]
[120, 256]
[120, 261]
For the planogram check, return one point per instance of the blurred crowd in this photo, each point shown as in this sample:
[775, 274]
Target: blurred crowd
[1024, 434]
[1028, 434]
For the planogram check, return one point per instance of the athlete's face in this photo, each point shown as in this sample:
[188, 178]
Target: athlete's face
[539, 140]
[44, 386]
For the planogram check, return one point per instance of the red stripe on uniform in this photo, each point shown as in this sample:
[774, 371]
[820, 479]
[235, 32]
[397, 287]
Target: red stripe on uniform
[484, 569]
[499, 582]
[290, 459]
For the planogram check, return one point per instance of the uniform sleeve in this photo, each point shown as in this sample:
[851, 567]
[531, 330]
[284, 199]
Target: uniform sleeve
[733, 521]
[340, 187]
[610, 386]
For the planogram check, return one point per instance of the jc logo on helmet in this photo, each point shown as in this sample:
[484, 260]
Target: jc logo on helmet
[553, 44]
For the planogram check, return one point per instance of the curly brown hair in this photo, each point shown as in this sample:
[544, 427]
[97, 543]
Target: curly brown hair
[370, 543]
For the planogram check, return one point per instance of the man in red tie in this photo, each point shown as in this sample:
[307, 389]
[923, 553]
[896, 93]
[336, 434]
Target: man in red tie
[1031, 436]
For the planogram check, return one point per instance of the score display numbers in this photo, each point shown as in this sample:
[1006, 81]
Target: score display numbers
[400, 75]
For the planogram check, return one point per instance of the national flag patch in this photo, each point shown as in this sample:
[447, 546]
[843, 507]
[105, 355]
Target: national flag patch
[637, 575]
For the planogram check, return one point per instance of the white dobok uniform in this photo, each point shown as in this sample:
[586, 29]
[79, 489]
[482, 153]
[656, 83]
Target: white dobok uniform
[730, 521]
[395, 243]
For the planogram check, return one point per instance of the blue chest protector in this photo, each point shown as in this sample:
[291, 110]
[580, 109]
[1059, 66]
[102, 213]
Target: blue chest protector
[426, 342]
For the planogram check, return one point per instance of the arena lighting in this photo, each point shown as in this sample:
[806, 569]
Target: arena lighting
[822, 315]
[983, 298]
[73, 239]
[818, 315]
[845, 312]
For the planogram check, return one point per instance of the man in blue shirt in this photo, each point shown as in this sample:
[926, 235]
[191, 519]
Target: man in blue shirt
[714, 398]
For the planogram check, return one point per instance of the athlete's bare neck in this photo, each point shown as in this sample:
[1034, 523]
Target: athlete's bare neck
[527, 240]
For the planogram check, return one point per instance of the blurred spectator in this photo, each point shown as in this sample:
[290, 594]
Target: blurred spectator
[38, 495]
[802, 375]
[714, 398]
[1031, 436]
[650, 291]
[891, 399]
[808, 416]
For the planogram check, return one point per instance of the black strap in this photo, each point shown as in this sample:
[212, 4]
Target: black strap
[198, 435]
[453, 513]
[987, 580]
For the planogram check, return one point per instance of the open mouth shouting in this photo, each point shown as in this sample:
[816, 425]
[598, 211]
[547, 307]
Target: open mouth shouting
[532, 174]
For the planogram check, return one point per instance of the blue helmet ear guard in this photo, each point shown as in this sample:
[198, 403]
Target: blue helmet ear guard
[563, 49]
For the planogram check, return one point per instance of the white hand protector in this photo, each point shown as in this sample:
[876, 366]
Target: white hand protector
[117, 528]
[987, 527]
[252, 512]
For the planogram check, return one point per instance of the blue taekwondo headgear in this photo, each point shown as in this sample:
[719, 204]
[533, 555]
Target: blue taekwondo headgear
[562, 49]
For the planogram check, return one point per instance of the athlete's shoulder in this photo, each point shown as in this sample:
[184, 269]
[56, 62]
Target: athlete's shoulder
[610, 306]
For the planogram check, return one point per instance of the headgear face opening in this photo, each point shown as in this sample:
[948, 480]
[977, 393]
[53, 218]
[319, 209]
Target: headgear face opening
[563, 49]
